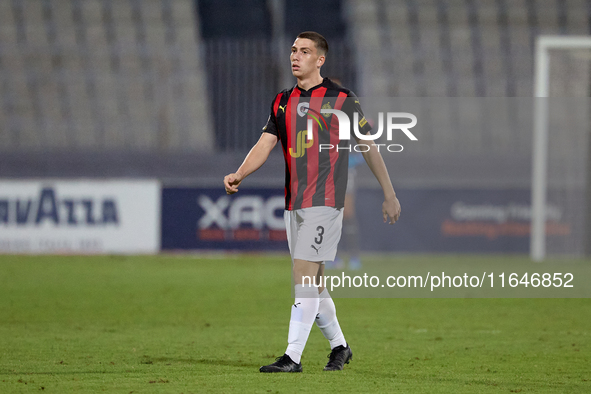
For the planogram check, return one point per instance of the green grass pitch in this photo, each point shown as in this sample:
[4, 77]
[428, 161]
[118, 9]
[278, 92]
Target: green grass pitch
[186, 324]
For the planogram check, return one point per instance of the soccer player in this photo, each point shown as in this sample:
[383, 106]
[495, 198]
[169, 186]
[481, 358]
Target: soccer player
[315, 184]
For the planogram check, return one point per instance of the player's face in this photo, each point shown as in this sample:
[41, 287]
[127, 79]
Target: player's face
[305, 59]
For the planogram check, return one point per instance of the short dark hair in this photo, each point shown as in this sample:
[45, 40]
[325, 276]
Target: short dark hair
[319, 40]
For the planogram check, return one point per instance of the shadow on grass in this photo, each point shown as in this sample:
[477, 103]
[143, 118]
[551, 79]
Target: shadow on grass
[59, 372]
[205, 361]
[150, 360]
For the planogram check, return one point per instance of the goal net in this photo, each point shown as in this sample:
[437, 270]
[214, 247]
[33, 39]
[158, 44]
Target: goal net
[560, 191]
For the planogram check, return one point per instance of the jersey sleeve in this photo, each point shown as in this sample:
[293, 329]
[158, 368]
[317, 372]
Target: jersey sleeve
[353, 106]
[271, 126]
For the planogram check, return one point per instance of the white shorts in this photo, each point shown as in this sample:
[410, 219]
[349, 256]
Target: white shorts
[314, 233]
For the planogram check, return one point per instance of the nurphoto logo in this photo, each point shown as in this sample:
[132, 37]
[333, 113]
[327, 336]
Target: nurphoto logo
[304, 138]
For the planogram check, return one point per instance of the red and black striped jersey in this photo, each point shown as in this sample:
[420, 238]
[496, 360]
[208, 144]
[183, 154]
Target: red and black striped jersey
[314, 176]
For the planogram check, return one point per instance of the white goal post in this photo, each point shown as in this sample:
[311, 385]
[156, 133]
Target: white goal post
[540, 134]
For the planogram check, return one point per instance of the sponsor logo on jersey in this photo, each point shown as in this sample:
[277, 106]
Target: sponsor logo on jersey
[304, 108]
[301, 145]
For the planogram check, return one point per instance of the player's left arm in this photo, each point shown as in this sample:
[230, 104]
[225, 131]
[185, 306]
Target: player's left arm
[391, 205]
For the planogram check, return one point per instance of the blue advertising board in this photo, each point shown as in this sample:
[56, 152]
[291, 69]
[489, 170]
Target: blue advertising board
[208, 218]
[432, 220]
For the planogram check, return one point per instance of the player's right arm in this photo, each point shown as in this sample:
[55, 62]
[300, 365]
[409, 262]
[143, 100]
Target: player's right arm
[253, 161]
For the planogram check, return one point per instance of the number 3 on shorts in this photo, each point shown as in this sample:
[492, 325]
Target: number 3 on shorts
[320, 236]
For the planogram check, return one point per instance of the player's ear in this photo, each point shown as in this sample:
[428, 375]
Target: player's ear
[320, 61]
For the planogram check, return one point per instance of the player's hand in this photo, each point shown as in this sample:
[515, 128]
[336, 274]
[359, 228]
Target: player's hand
[231, 182]
[391, 210]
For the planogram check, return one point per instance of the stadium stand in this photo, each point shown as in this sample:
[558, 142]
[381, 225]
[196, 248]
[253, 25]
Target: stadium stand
[465, 48]
[102, 75]
[134, 88]
[456, 48]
